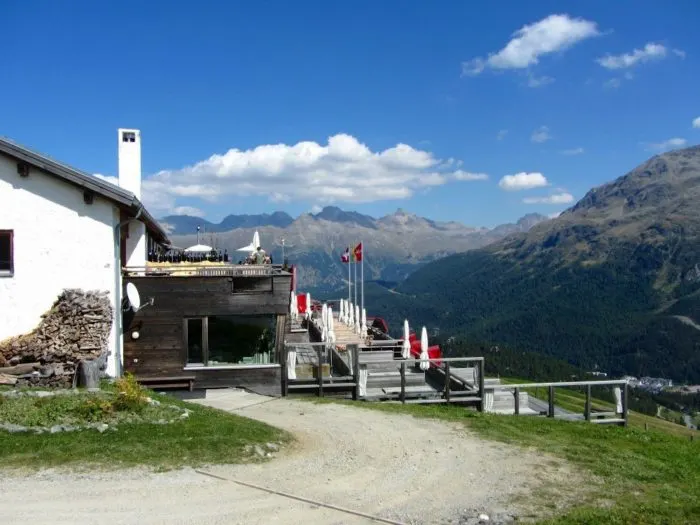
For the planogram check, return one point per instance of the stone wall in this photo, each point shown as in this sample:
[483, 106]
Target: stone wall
[76, 328]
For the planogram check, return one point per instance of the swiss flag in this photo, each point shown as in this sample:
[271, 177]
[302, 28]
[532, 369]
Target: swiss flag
[357, 253]
[346, 256]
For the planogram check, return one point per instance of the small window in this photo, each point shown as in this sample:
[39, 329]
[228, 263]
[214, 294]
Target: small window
[7, 266]
[128, 136]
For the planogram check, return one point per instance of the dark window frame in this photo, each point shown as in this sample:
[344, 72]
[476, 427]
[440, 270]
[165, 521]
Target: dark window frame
[204, 341]
[205, 344]
[11, 271]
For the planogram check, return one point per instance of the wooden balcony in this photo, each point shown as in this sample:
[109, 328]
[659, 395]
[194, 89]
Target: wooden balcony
[205, 269]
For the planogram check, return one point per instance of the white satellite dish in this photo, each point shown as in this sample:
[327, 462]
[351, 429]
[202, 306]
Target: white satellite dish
[133, 295]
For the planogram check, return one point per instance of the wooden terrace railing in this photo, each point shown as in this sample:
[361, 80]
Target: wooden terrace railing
[204, 269]
[473, 393]
[619, 418]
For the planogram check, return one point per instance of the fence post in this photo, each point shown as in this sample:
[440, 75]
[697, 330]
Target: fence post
[403, 381]
[625, 404]
[551, 402]
[319, 371]
[355, 349]
[285, 379]
[447, 382]
[480, 407]
[517, 400]
[587, 406]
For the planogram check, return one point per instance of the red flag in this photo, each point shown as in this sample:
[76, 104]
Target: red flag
[346, 256]
[357, 253]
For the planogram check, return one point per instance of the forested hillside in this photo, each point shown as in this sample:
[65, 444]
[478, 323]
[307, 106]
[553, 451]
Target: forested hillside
[612, 283]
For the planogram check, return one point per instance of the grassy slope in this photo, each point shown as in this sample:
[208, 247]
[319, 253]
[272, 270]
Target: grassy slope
[574, 401]
[207, 436]
[652, 477]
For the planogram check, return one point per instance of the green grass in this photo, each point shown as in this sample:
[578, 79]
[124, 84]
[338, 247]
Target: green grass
[207, 436]
[575, 400]
[652, 477]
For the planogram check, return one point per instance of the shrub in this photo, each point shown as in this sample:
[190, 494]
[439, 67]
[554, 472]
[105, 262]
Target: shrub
[130, 395]
[94, 409]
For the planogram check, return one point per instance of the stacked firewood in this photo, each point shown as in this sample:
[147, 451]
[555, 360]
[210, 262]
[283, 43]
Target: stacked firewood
[76, 328]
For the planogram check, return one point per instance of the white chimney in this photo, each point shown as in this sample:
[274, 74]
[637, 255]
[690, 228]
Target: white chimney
[130, 160]
[130, 179]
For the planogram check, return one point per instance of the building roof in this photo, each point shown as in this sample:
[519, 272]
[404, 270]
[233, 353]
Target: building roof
[125, 199]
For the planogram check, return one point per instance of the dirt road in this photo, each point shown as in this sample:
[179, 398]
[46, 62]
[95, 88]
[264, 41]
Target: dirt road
[403, 469]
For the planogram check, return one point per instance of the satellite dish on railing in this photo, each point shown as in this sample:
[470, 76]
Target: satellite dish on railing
[132, 294]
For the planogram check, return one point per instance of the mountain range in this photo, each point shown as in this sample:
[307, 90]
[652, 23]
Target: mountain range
[395, 245]
[613, 283]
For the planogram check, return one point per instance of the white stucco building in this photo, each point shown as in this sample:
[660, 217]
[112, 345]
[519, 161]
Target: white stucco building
[63, 228]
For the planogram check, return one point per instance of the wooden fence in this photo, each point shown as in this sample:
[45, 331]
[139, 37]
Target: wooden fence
[471, 392]
[618, 417]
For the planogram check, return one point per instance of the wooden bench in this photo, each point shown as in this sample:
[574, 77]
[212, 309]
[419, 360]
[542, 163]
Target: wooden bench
[165, 382]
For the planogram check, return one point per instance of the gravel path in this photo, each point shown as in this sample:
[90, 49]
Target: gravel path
[396, 467]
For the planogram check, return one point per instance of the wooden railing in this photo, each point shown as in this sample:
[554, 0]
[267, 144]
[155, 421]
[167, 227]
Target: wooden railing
[472, 393]
[620, 418]
[204, 269]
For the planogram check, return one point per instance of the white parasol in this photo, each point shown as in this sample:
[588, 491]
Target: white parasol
[293, 309]
[357, 319]
[424, 363]
[331, 327]
[350, 321]
[363, 325]
[308, 306]
[253, 246]
[199, 248]
[406, 346]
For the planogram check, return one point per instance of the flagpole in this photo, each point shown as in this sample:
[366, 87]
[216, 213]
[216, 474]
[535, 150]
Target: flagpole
[355, 272]
[349, 281]
[362, 275]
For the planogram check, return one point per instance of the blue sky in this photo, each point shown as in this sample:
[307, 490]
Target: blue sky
[200, 79]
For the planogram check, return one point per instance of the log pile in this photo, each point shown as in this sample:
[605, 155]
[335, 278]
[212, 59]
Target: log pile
[75, 329]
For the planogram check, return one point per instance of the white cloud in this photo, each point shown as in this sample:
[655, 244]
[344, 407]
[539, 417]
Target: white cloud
[501, 134]
[523, 181]
[316, 209]
[535, 82]
[573, 151]
[554, 215]
[556, 198]
[696, 123]
[344, 169]
[613, 83]
[107, 178]
[552, 34]
[679, 53]
[188, 210]
[650, 52]
[668, 144]
[465, 175]
[540, 135]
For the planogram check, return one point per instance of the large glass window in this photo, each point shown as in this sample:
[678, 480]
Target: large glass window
[231, 340]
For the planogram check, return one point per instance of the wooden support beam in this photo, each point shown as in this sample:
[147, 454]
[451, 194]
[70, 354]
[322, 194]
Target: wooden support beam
[355, 349]
[551, 402]
[403, 382]
[447, 382]
[284, 372]
[481, 385]
[516, 401]
[319, 371]
[625, 404]
[587, 406]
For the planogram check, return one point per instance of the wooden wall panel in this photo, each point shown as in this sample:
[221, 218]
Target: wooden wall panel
[160, 349]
